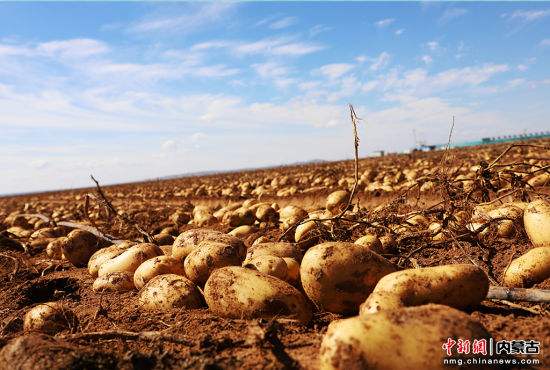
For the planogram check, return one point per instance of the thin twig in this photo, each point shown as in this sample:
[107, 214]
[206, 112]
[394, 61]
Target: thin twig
[148, 336]
[148, 237]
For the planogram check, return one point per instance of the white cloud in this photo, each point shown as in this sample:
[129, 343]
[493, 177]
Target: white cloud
[335, 70]
[451, 14]
[270, 70]
[194, 17]
[280, 46]
[384, 22]
[318, 29]
[426, 59]
[522, 67]
[283, 23]
[545, 42]
[399, 32]
[380, 61]
[73, 48]
[527, 15]
[432, 45]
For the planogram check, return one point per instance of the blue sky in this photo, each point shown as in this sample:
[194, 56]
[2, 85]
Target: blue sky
[131, 91]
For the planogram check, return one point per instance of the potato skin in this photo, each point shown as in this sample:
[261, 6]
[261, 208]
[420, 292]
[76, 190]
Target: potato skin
[190, 239]
[130, 259]
[536, 220]
[106, 254]
[339, 276]
[528, 269]
[165, 292]
[269, 265]
[79, 246]
[277, 249]
[238, 292]
[113, 282]
[49, 318]
[157, 266]
[211, 255]
[458, 286]
[408, 338]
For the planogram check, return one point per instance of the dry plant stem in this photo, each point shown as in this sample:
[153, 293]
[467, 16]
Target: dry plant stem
[148, 237]
[354, 121]
[519, 294]
[514, 146]
[149, 336]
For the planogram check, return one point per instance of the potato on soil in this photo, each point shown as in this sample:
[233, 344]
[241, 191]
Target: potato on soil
[370, 242]
[239, 217]
[54, 249]
[79, 246]
[49, 318]
[269, 265]
[164, 239]
[165, 292]
[238, 292]
[114, 282]
[458, 286]
[278, 249]
[105, 254]
[266, 213]
[337, 201]
[293, 270]
[157, 266]
[536, 220]
[242, 231]
[405, 338]
[339, 276]
[130, 259]
[209, 256]
[529, 269]
[291, 215]
[190, 239]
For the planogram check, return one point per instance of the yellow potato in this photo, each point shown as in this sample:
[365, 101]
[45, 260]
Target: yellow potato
[79, 246]
[290, 215]
[130, 259]
[293, 270]
[157, 266]
[278, 249]
[49, 318]
[536, 220]
[339, 276]
[408, 338]
[238, 292]
[371, 242]
[209, 256]
[337, 201]
[54, 249]
[169, 291]
[106, 254]
[458, 286]
[190, 239]
[531, 268]
[113, 282]
[269, 265]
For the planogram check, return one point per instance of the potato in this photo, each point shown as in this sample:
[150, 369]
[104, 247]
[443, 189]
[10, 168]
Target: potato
[242, 231]
[113, 282]
[291, 215]
[165, 292]
[180, 217]
[190, 239]
[529, 269]
[130, 259]
[79, 246]
[238, 292]
[536, 220]
[240, 216]
[337, 201]
[269, 265]
[388, 242]
[458, 286]
[339, 276]
[293, 270]
[105, 254]
[49, 318]
[157, 266]
[166, 249]
[371, 242]
[405, 338]
[278, 249]
[266, 213]
[211, 255]
[54, 249]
